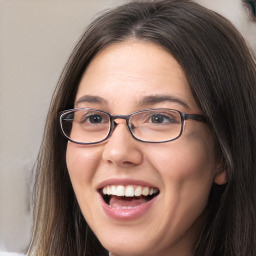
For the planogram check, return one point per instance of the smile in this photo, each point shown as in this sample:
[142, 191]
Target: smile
[127, 201]
[129, 191]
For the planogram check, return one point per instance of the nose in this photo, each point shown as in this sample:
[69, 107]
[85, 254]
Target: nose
[121, 148]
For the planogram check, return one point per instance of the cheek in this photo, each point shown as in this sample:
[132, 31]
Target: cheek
[185, 168]
[189, 157]
[82, 161]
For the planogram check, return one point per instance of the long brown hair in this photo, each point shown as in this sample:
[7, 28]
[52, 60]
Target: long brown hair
[222, 75]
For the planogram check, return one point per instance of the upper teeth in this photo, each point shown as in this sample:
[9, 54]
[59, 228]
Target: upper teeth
[128, 191]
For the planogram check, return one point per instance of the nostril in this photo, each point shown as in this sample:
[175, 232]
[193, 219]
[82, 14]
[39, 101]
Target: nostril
[122, 152]
[127, 163]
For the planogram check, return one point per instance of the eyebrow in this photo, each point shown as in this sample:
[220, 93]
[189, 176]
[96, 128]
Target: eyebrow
[146, 100]
[91, 99]
[154, 99]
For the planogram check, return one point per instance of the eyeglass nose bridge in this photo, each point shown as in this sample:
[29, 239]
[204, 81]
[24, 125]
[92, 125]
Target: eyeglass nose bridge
[113, 124]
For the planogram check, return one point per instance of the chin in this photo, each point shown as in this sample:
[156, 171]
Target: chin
[122, 244]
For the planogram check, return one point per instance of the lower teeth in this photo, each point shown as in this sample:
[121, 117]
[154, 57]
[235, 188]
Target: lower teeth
[107, 199]
[125, 207]
[127, 199]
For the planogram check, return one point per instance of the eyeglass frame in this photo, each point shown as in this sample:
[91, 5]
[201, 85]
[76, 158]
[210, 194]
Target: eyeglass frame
[113, 124]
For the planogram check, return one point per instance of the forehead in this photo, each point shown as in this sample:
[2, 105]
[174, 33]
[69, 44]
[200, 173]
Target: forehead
[132, 70]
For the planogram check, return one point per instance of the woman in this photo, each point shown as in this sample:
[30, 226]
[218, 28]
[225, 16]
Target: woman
[149, 146]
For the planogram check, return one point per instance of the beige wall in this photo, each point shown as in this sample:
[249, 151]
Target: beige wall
[36, 37]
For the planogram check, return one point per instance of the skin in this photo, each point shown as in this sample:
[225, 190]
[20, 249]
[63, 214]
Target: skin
[183, 170]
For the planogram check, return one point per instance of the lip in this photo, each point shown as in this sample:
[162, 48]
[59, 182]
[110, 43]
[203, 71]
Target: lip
[125, 214]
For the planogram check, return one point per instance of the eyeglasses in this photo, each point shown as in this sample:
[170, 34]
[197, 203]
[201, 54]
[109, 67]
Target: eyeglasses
[91, 126]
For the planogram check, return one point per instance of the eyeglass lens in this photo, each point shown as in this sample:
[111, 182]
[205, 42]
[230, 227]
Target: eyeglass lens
[90, 126]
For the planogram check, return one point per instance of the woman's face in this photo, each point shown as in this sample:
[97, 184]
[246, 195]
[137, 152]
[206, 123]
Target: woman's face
[122, 79]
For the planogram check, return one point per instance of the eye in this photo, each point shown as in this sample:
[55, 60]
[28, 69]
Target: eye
[95, 119]
[158, 118]
[163, 119]
[91, 118]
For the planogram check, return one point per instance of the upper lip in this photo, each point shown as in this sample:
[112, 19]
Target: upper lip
[125, 182]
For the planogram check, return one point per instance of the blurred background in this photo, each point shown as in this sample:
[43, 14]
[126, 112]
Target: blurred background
[36, 38]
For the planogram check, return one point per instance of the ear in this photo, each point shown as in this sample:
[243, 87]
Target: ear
[220, 177]
[221, 174]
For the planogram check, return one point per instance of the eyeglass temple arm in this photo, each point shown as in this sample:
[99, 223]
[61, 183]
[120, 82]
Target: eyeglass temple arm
[195, 117]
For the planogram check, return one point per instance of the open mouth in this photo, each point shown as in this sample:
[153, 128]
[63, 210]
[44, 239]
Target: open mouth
[127, 197]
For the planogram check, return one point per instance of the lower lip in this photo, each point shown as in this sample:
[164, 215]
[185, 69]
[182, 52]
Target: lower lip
[127, 214]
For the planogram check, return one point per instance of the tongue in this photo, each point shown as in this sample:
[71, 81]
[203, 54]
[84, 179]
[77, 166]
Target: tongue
[126, 202]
